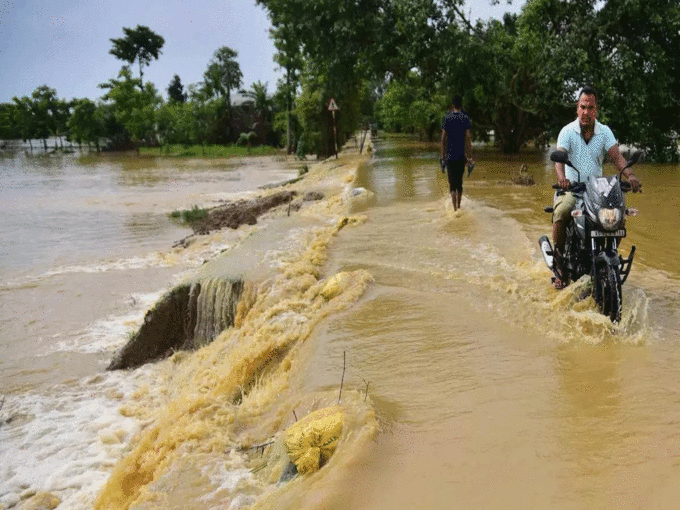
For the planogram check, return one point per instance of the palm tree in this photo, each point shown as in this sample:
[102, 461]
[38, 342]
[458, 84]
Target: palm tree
[257, 96]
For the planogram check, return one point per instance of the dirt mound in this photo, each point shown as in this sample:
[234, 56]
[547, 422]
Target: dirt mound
[234, 214]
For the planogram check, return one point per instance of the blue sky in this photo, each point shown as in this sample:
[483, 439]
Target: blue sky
[65, 44]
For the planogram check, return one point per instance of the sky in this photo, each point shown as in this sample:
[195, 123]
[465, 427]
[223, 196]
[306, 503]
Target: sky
[65, 44]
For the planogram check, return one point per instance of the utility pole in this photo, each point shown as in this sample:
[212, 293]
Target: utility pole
[334, 108]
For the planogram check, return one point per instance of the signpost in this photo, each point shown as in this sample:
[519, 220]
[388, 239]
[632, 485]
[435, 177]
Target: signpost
[333, 107]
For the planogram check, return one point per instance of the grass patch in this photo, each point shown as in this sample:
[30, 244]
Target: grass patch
[189, 216]
[210, 151]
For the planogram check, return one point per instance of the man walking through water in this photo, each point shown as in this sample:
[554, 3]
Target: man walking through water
[587, 142]
[456, 148]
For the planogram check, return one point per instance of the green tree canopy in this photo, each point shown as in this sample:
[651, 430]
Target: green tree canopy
[289, 57]
[134, 109]
[86, 123]
[223, 74]
[259, 98]
[24, 118]
[407, 106]
[641, 89]
[43, 107]
[9, 127]
[176, 90]
[335, 40]
[140, 44]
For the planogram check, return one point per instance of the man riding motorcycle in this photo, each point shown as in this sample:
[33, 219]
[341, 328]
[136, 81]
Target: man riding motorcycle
[587, 142]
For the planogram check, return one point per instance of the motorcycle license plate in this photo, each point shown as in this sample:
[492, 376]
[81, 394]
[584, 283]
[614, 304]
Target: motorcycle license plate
[599, 233]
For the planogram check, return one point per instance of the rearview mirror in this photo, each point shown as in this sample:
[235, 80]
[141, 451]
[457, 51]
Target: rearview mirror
[559, 156]
[634, 158]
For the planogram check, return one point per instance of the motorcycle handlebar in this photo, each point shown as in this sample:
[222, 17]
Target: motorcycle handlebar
[580, 186]
[574, 186]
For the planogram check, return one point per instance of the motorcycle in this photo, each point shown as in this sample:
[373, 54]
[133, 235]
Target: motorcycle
[593, 237]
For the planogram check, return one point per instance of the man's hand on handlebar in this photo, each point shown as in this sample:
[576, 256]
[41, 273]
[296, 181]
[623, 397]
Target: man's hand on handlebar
[635, 184]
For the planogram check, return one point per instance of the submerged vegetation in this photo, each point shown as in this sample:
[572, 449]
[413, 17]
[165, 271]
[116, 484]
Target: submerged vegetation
[189, 215]
[210, 151]
[395, 64]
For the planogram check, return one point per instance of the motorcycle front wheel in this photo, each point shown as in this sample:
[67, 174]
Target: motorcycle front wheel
[608, 291]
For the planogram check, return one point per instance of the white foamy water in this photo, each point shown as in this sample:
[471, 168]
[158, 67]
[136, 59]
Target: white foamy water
[105, 335]
[65, 442]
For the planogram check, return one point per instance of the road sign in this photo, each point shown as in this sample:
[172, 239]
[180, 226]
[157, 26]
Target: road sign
[332, 106]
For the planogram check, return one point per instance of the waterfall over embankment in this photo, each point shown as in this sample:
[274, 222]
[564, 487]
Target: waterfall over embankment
[193, 313]
[189, 316]
[235, 398]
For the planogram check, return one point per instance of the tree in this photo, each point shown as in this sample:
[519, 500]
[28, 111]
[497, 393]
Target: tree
[140, 44]
[24, 118]
[259, 98]
[176, 91]
[262, 103]
[86, 123]
[48, 112]
[641, 97]
[9, 121]
[40, 116]
[289, 57]
[134, 109]
[518, 76]
[408, 106]
[285, 121]
[526, 68]
[393, 107]
[629, 50]
[223, 74]
[335, 40]
[408, 40]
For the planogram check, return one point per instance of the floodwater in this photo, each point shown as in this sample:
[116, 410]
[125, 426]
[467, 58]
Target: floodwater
[493, 390]
[466, 379]
[86, 250]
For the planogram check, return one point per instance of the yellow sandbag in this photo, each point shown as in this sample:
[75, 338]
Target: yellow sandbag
[336, 285]
[309, 462]
[311, 441]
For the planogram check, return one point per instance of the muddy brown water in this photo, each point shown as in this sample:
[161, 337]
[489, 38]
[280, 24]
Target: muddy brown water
[493, 390]
[490, 389]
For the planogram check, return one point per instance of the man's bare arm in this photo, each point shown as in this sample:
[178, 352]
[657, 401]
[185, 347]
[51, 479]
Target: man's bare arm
[620, 163]
[562, 180]
[443, 144]
[468, 145]
[618, 159]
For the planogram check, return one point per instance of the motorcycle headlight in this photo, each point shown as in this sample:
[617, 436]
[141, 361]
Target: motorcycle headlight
[609, 218]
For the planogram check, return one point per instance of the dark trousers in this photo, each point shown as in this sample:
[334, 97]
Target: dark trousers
[455, 171]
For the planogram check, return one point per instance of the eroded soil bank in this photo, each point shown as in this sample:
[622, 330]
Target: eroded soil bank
[224, 408]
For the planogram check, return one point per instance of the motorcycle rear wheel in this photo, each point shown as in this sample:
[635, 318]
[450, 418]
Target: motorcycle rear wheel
[608, 295]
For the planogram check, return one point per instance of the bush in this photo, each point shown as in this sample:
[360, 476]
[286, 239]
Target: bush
[246, 139]
[191, 215]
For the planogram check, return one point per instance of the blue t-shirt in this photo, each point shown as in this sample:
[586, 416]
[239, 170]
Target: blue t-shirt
[455, 124]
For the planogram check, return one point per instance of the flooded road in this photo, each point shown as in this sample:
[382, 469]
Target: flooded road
[492, 389]
[465, 380]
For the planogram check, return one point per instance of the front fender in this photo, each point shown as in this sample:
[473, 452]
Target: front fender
[607, 257]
